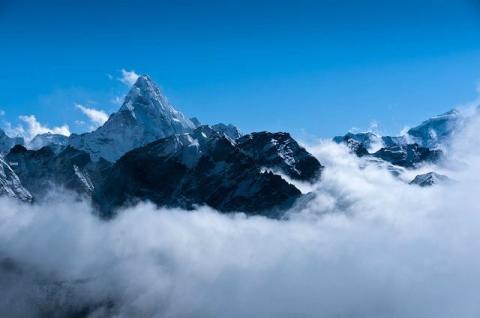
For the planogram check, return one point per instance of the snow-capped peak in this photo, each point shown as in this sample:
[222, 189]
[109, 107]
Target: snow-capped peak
[145, 98]
[145, 116]
[436, 130]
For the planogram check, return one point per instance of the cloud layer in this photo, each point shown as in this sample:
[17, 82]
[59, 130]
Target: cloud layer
[368, 245]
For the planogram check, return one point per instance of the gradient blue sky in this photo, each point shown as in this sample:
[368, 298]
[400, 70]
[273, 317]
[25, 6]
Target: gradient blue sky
[313, 68]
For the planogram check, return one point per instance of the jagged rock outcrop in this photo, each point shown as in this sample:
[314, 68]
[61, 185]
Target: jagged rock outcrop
[207, 168]
[357, 143]
[280, 152]
[229, 131]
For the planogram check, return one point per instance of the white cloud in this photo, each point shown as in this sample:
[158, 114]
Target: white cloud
[98, 117]
[118, 100]
[128, 77]
[2, 112]
[32, 127]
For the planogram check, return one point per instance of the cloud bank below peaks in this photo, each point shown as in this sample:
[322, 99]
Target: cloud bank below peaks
[367, 245]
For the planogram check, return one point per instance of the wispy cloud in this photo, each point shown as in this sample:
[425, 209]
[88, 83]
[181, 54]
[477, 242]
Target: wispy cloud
[118, 100]
[128, 77]
[96, 116]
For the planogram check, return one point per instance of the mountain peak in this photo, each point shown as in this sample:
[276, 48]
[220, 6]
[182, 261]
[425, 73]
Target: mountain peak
[147, 104]
[143, 80]
[145, 116]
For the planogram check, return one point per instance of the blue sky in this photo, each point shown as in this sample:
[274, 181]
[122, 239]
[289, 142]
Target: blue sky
[313, 68]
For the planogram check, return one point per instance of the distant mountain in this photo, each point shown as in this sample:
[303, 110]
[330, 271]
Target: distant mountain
[359, 140]
[408, 156]
[145, 116]
[429, 179]
[10, 183]
[436, 130]
[206, 167]
[42, 140]
[7, 143]
[420, 144]
[228, 131]
[431, 133]
[359, 143]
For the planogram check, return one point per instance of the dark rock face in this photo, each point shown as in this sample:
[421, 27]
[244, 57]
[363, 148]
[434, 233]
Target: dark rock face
[429, 179]
[408, 156]
[206, 167]
[40, 170]
[279, 151]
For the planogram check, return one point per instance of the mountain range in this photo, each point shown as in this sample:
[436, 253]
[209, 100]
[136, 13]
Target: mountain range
[149, 151]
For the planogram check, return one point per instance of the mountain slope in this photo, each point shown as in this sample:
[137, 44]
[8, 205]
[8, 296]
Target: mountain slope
[42, 170]
[203, 167]
[145, 116]
[10, 183]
